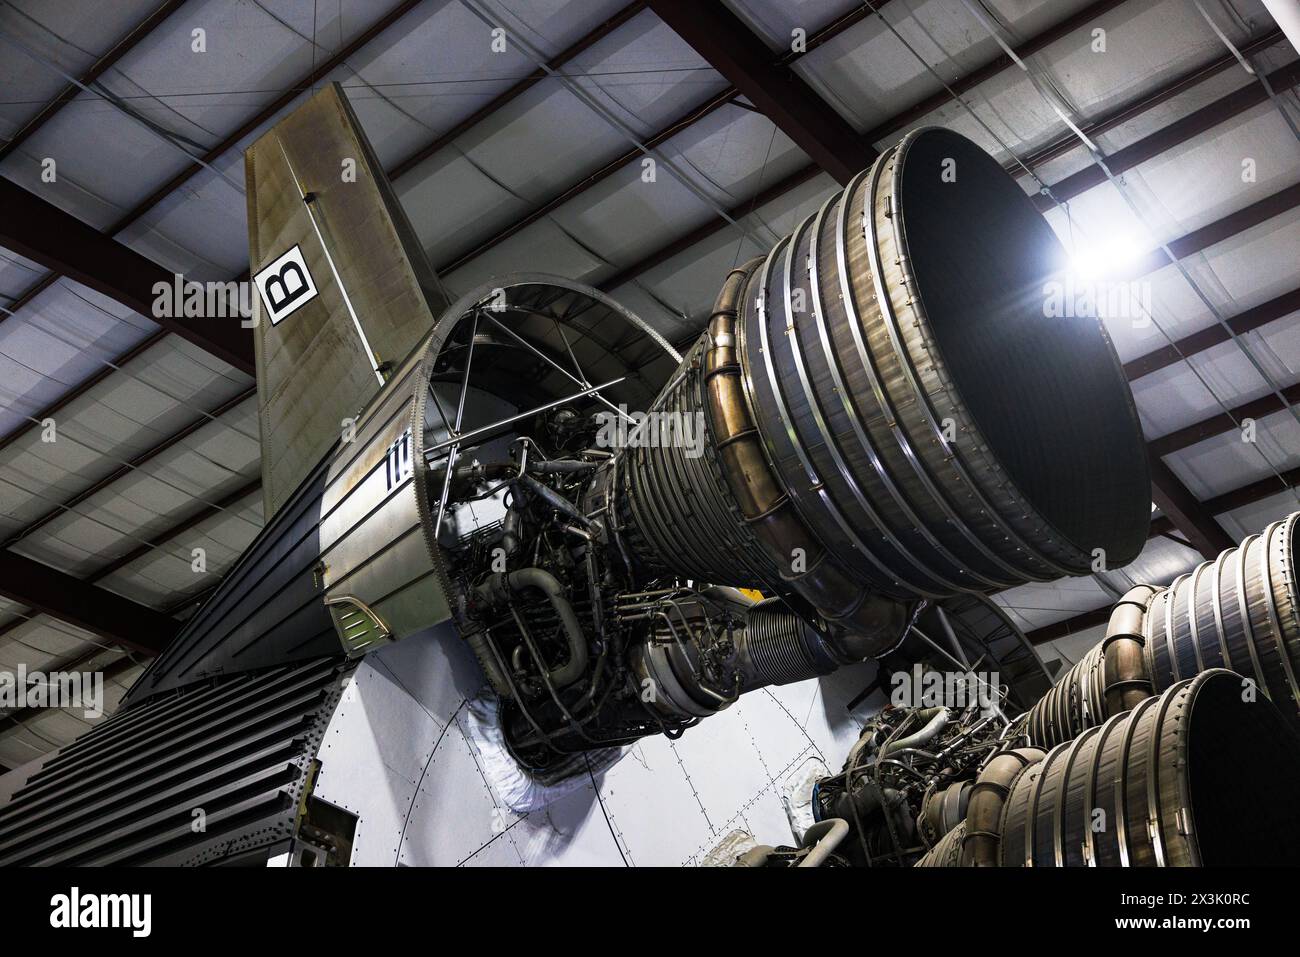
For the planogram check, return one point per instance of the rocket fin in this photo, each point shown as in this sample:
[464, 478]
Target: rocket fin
[343, 290]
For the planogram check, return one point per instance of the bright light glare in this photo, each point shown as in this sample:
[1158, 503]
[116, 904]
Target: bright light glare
[1104, 258]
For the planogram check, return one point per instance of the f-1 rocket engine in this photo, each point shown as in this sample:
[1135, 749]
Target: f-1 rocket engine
[884, 415]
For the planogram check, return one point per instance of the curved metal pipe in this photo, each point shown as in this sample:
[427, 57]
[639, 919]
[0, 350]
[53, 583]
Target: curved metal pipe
[498, 588]
[1126, 681]
[859, 623]
[979, 845]
[828, 834]
[938, 720]
[510, 531]
[756, 856]
[553, 499]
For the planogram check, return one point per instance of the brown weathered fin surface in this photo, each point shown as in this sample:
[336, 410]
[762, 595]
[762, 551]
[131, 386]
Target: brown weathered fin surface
[343, 287]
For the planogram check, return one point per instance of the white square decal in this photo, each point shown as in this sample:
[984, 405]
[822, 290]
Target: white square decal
[285, 285]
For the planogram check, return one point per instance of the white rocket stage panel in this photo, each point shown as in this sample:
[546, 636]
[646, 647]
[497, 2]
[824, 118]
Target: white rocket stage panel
[402, 753]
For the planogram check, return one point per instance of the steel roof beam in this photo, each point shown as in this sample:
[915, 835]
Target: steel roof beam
[45, 282]
[569, 53]
[84, 386]
[110, 616]
[1185, 513]
[203, 514]
[1242, 323]
[690, 116]
[1236, 498]
[130, 466]
[731, 48]
[20, 716]
[1198, 240]
[1190, 435]
[816, 39]
[1239, 497]
[1034, 45]
[1147, 147]
[572, 51]
[1028, 48]
[890, 126]
[1162, 94]
[59, 241]
[1069, 626]
[1187, 245]
[121, 48]
[326, 66]
[1175, 134]
[304, 85]
[587, 182]
[714, 225]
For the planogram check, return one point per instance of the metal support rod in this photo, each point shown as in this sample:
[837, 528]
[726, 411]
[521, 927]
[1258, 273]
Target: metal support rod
[476, 433]
[553, 364]
[455, 429]
[464, 380]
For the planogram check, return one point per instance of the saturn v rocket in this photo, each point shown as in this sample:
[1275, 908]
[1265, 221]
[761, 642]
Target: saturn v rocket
[878, 424]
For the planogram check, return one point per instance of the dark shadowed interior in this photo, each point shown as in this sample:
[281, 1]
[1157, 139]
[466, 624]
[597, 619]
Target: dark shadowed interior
[1047, 391]
[1244, 769]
